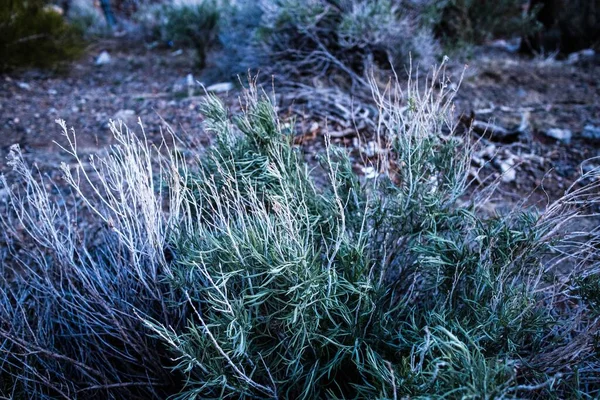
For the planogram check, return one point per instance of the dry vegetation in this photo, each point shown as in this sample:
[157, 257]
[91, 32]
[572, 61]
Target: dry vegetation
[246, 272]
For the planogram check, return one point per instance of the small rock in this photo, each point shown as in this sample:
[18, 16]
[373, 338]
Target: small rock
[525, 125]
[190, 82]
[574, 58]
[24, 85]
[127, 116]
[184, 85]
[507, 168]
[591, 132]
[52, 92]
[220, 87]
[509, 174]
[103, 58]
[562, 135]
[4, 194]
[53, 8]
[370, 172]
[477, 161]
[511, 47]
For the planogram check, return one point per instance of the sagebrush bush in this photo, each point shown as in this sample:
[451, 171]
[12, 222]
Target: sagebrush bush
[87, 18]
[32, 34]
[193, 24]
[339, 41]
[238, 276]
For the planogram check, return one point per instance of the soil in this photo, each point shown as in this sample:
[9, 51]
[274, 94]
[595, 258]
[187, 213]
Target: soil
[499, 87]
[509, 90]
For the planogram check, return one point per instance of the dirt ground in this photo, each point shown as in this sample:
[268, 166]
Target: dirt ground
[534, 101]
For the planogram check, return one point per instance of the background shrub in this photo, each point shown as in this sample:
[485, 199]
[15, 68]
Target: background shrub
[337, 41]
[32, 34]
[193, 24]
[475, 22]
[564, 26]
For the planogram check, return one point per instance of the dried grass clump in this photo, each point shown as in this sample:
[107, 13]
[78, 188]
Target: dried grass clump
[258, 283]
[75, 274]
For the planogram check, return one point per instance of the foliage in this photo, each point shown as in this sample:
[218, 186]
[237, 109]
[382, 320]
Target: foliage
[87, 18]
[188, 25]
[257, 282]
[475, 22]
[69, 291]
[32, 34]
[360, 291]
[334, 40]
[566, 26]
[194, 25]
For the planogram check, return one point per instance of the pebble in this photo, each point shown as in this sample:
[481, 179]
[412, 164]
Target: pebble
[103, 59]
[127, 116]
[185, 84]
[220, 87]
[24, 85]
[591, 132]
[562, 135]
[574, 58]
[369, 172]
[509, 173]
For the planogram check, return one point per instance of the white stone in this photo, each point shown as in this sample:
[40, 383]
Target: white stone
[220, 87]
[370, 172]
[509, 174]
[591, 132]
[127, 116]
[574, 58]
[563, 135]
[103, 59]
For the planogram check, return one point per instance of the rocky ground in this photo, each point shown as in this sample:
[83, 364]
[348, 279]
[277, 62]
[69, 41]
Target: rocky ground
[538, 119]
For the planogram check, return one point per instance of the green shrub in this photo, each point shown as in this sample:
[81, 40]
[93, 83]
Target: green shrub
[379, 290]
[257, 282]
[33, 35]
[192, 25]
